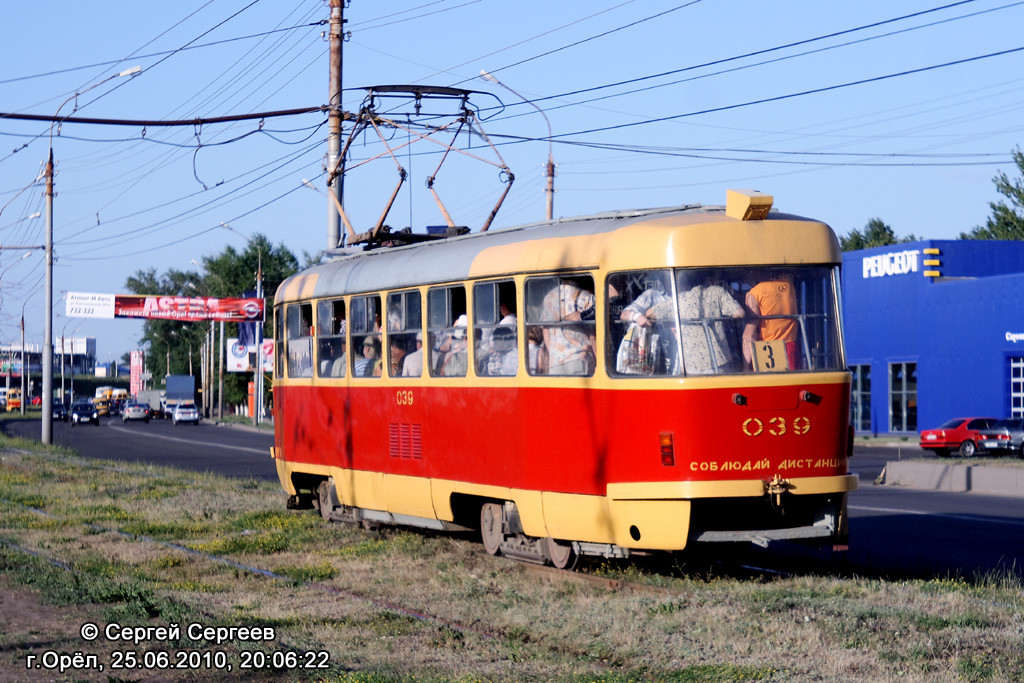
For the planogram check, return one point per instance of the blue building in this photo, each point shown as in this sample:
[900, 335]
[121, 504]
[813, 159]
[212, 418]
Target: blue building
[934, 330]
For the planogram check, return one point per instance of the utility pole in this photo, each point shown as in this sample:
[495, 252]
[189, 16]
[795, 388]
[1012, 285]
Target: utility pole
[24, 386]
[220, 378]
[334, 117]
[47, 417]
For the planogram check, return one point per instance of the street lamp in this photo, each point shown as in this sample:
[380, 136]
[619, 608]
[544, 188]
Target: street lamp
[550, 170]
[259, 327]
[47, 431]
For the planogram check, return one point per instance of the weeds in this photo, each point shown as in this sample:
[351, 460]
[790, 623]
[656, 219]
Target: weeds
[469, 618]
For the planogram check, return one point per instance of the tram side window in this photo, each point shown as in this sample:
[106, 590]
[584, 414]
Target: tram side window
[405, 335]
[495, 329]
[643, 335]
[560, 323]
[331, 324]
[446, 331]
[300, 340]
[364, 329]
[279, 355]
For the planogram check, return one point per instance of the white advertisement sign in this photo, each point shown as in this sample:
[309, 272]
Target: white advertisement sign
[237, 356]
[242, 358]
[85, 305]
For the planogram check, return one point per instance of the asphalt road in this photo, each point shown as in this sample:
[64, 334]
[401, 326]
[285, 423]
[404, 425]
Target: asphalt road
[894, 531]
[206, 447]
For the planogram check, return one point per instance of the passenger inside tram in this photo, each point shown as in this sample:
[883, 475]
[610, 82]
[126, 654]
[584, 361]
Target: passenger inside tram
[704, 306]
[370, 360]
[413, 365]
[648, 346]
[571, 347]
[772, 303]
[501, 360]
[452, 354]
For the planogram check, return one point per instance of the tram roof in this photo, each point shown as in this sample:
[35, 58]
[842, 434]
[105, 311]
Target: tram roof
[682, 236]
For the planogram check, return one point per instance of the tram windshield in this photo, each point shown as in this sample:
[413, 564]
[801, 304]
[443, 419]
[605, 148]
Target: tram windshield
[712, 321]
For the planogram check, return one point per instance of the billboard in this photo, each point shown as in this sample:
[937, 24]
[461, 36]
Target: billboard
[241, 357]
[187, 308]
[136, 373]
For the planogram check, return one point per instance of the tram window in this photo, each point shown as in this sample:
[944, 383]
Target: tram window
[279, 316]
[642, 332]
[446, 331]
[725, 321]
[331, 324]
[560, 325]
[300, 340]
[495, 328]
[405, 335]
[364, 328]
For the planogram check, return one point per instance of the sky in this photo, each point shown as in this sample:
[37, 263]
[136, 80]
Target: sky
[843, 112]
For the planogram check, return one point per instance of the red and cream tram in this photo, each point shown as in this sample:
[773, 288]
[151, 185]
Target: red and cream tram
[629, 381]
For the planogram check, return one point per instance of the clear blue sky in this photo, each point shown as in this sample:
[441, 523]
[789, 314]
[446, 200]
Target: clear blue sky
[684, 100]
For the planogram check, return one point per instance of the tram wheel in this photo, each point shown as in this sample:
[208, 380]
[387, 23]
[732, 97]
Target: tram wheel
[967, 449]
[561, 554]
[323, 492]
[491, 532]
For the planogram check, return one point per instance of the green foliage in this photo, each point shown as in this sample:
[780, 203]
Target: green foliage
[1006, 221]
[228, 274]
[876, 234]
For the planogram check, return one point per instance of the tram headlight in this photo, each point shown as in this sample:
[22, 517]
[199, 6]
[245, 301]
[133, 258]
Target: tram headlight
[668, 454]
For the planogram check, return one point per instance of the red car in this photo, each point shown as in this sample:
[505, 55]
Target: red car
[37, 400]
[959, 434]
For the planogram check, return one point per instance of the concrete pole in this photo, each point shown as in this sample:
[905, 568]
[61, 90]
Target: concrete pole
[24, 386]
[334, 182]
[220, 381]
[47, 435]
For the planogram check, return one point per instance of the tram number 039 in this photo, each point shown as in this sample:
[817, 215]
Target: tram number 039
[404, 398]
[776, 426]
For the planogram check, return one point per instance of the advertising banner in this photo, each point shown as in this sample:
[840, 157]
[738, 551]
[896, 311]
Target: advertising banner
[242, 357]
[268, 355]
[194, 308]
[136, 373]
[188, 308]
[237, 358]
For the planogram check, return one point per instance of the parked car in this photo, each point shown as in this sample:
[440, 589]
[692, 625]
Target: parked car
[960, 434]
[135, 411]
[84, 411]
[60, 412]
[185, 412]
[37, 400]
[1005, 436]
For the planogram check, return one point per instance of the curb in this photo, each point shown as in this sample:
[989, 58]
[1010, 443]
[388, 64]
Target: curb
[995, 481]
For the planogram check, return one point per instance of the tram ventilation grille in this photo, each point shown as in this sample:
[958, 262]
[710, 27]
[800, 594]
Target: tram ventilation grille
[405, 441]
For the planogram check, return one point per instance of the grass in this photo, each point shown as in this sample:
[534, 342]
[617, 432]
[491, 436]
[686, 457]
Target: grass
[404, 606]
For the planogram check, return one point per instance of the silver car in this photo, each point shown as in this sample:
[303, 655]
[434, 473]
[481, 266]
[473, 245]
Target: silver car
[1004, 436]
[185, 412]
[135, 411]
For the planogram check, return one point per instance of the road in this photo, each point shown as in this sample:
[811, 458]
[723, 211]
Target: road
[893, 531]
[206, 447]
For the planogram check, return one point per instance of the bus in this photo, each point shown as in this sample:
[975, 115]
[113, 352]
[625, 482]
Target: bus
[633, 381]
[13, 399]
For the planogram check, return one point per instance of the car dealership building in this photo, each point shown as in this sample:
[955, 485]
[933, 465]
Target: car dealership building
[934, 330]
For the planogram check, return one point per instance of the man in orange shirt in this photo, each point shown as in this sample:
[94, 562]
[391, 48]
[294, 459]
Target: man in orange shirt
[768, 298]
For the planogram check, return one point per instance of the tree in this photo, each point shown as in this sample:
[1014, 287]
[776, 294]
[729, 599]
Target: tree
[876, 234]
[1006, 222]
[228, 274]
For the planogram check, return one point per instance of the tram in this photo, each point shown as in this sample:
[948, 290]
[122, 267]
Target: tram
[628, 382]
